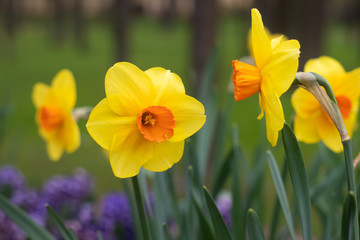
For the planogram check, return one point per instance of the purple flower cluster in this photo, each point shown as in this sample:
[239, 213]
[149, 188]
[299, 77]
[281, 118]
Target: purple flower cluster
[72, 197]
[224, 204]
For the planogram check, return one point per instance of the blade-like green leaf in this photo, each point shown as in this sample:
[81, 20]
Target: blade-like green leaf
[20, 218]
[99, 235]
[280, 189]
[237, 210]
[65, 233]
[221, 230]
[253, 226]
[347, 221]
[299, 180]
[222, 174]
[205, 230]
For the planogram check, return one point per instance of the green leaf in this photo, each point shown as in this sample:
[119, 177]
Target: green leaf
[23, 221]
[347, 221]
[99, 235]
[221, 230]
[222, 174]
[65, 233]
[205, 230]
[299, 180]
[280, 189]
[237, 210]
[253, 225]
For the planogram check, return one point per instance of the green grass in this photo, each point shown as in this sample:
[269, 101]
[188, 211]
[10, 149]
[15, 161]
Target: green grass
[35, 57]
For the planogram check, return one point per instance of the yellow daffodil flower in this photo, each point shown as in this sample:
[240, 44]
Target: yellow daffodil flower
[144, 119]
[54, 106]
[275, 70]
[312, 124]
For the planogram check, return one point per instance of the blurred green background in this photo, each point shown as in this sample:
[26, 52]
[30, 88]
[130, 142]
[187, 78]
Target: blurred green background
[35, 45]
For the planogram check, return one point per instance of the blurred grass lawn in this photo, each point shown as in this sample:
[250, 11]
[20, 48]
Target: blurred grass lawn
[35, 57]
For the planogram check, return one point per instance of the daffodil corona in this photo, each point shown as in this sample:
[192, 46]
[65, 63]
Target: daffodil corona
[54, 106]
[144, 119]
[276, 66]
[312, 124]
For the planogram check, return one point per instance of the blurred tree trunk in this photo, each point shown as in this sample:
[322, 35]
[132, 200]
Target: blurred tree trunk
[9, 17]
[59, 10]
[121, 16]
[205, 21]
[79, 23]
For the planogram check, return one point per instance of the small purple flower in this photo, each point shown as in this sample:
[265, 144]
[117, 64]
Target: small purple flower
[8, 230]
[10, 180]
[67, 193]
[224, 204]
[116, 217]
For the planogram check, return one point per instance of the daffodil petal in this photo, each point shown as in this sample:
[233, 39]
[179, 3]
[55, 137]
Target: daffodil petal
[129, 151]
[349, 85]
[71, 135]
[64, 86]
[275, 40]
[103, 123]
[54, 150]
[260, 41]
[305, 129]
[273, 111]
[329, 134]
[283, 65]
[304, 103]
[165, 83]
[327, 67]
[188, 114]
[166, 154]
[128, 89]
[39, 94]
[350, 122]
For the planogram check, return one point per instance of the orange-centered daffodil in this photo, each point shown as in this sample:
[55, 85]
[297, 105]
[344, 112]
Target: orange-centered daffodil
[312, 124]
[144, 119]
[54, 106]
[275, 70]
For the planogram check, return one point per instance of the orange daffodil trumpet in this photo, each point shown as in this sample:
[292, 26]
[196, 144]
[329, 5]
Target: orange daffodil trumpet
[144, 119]
[54, 105]
[276, 66]
[312, 124]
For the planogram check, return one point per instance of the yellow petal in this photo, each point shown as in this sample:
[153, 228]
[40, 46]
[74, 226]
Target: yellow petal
[65, 88]
[350, 122]
[70, 135]
[283, 65]
[349, 85]
[54, 150]
[103, 124]
[39, 94]
[273, 111]
[129, 151]
[305, 129]
[304, 103]
[275, 40]
[260, 41]
[165, 83]
[327, 67]
[165, 155]
[128, 89]
[329, 134]
[188, 114]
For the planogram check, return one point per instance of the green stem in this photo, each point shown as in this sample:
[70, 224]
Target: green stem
[351, 180]
[141, 208]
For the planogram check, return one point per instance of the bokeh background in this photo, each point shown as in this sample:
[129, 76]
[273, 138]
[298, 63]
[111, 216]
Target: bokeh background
[40, 37]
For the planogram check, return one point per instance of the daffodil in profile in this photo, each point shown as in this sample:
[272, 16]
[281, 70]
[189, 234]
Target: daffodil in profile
[54, 105]
[274, 71]
[144, 119]
[312, 124]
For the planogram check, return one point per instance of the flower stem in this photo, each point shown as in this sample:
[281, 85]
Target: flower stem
[351, 180]
[141, 209]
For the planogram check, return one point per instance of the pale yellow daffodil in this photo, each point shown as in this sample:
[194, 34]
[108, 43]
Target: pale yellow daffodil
[144, 119]
[54, 105]
[311, 123]
[275, 70]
